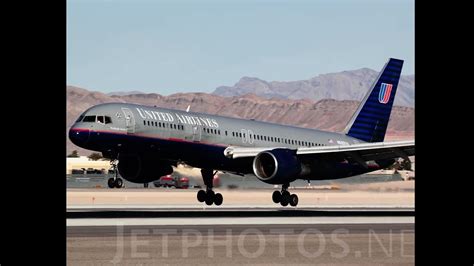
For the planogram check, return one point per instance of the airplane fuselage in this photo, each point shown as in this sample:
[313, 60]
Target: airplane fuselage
[199, 140]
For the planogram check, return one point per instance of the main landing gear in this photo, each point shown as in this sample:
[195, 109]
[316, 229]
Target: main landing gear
[284, 197]
[115, 182]
[208, 195]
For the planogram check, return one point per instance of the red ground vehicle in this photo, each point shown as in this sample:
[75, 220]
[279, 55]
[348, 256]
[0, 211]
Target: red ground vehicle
[169, 181]
[182, 182]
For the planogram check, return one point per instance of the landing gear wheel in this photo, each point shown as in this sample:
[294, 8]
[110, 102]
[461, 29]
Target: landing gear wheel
[145, 185]
[201, 195]
[111, 182]
[210, 197]
[218, 199]
[119, 183]
[293, 200]
[285, 199]
[276, 196]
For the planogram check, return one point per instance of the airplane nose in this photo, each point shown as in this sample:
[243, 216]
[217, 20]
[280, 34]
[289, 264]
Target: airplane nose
[79, 136]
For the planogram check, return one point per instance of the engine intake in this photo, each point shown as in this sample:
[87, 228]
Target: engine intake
[277, 166]
[142, 169]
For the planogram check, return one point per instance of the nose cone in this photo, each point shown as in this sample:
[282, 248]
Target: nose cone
[79, 136]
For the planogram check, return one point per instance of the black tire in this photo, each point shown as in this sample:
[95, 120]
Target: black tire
[218, 199]
[119, 183]
[293, 200]
[285, 198]
[111, 183]
[284, 201]
[145, 185]
[201, 195]
[210, 197]
[276, 196]
[211, 194]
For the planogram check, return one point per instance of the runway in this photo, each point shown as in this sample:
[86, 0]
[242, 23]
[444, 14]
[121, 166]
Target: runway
[301, 240]
[150, 228]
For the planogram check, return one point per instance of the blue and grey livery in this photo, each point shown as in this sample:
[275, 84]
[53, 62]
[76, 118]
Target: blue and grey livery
[148, 141]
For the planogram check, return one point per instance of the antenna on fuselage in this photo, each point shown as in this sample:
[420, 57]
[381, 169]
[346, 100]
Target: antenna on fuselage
[187, 109]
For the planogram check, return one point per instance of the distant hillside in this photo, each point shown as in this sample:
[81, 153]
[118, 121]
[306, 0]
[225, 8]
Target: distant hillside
[346, 85]
[123, 93]
[328, 114]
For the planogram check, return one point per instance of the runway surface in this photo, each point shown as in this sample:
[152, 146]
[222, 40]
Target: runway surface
[113, 216]
[169, 227]
[145, 235]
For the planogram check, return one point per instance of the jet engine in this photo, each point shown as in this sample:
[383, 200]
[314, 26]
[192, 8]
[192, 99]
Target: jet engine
[277, 166]
[142, 169]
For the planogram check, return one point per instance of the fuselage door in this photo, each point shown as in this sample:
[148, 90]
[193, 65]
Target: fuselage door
[197, 132]
[129, 120]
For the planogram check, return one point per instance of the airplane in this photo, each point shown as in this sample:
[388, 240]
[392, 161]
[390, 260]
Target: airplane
[147, 141]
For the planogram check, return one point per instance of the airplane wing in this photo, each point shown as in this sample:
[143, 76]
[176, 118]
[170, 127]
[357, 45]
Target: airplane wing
[357, 152]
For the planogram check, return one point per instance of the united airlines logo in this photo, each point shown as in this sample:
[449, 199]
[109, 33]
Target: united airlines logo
[385, 91]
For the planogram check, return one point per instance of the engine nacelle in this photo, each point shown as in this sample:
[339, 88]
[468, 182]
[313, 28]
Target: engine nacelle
[277, 166]
[141, 169]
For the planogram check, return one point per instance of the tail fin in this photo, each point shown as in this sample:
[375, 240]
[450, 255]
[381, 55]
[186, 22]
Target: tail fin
[369, 122]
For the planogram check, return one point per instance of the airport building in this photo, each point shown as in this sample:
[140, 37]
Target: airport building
[85, 164]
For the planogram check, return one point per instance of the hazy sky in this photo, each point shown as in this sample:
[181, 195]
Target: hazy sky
[182, 45]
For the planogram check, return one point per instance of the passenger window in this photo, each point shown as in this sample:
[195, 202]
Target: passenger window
[89, 118]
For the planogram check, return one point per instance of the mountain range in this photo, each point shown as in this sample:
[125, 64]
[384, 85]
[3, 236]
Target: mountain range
[345, 85]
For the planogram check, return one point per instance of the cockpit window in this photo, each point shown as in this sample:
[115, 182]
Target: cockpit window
[80, 119]
[89, 118]
[92, 118]
[104, 119]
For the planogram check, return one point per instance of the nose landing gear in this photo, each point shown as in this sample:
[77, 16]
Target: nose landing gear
[208, 195]
[284, 197]
[115, 182]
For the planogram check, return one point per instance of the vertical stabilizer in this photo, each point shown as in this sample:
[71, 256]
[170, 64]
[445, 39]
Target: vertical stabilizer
[369, 122]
